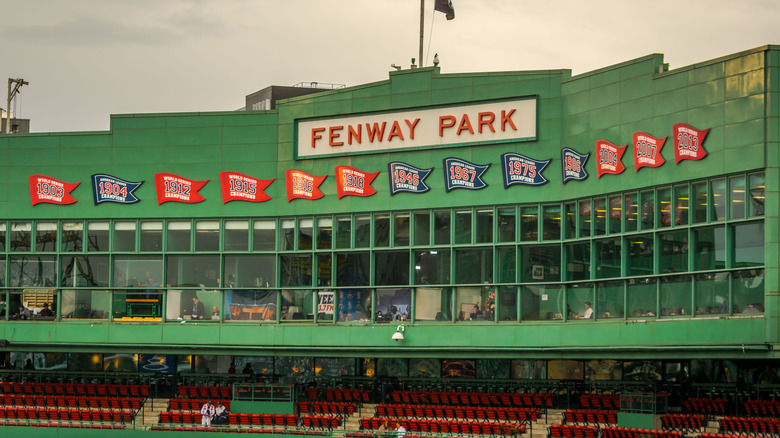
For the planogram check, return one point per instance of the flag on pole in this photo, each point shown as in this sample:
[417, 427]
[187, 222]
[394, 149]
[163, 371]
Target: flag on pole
[445, 6]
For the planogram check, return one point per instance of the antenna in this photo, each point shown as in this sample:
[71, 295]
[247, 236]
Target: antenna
[11, 94]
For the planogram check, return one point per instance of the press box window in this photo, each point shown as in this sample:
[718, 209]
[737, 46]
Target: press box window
[21, 235]
[124, 236]
[72, 237]
[236, 235]
[207, 236]
[151, 236]
[45, 237]
[97, 236]
[263, 236]
[305, 233]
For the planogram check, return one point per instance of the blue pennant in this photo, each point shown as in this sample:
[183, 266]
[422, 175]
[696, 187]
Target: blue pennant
[460, 174]
[519, 169]
[406, 178]
[573, 165]
[107, 188]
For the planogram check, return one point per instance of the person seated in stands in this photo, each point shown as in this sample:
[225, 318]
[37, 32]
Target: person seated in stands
[24, 313]
[215, 312]
[588, 314]
[400, 430]
[232, 369]
[197, 308]
[475, 312]
[248, 370]
[385, 426]
[46, 312]
[29, 365]
[220, 414]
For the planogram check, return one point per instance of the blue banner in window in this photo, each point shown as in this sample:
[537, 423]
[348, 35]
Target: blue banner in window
[406, 178]
[460, 174]
[106, 188]
[519, 169]
[573, 165]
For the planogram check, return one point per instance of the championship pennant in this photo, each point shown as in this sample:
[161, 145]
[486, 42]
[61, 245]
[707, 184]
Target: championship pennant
[239, 187]
[519, 169]
[406, 178]
[688, 143]
[354, 182]
[610, 158]
[52, 191]
[460, 174]
[302, 185]
[175, 188]
[107, 188]
[647, 150]
[573, 165]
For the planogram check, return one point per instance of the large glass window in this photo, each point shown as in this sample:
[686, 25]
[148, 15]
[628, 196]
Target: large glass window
[201, 305]
[296, 270]
[432, 267]
[401, 229]
[137, 271]
[393, 305]
[474, 265]
[382, 230]
[324, 233]
[578, 261]
[206, 235]
[85, 271]
[97, 236]
[31, 304]
[124, 236]
[21, 235]
[392, 268]
[507, 303]
[631, 203]
[507, 225]
[610, 299]
[362, 231]
[551, 222]
[236, 236]
[484, 226]
[324, 269]
[353, 269]
[737, 196]
[288, 235]
[541, 263]
[710, 248]
[542, 302]
[748, 288]
[471, 304]
[579, 298]
[193, 271]
[72, 237]
[640, 258]
[305, 233]
[748, 244]
[46, 237]
[343, 232]
[712, 293]
[600, 216]
[665, 205]
[179, 236]
[700, 202]
[462, 226]
[642, 298]
[422, 228]
[615, 213]
[674, 251]
[441, 227]
[529, 224]
[297, 305]
[137, 306]
[676, 293]
[354, 305]
[757, 188]
[507, 264]
[32, 271]
[681, 204]
[647, 211]
[151, 236]
[85, 304]
[433, 304]
[250, 305]
[2, 236]
[256, 271]
[264, 236]
[718, 199]
[586, 214]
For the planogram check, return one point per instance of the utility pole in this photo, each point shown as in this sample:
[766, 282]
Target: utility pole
[11, 94]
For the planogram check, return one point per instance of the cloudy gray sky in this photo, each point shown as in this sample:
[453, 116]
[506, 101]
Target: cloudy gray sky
[88, 59]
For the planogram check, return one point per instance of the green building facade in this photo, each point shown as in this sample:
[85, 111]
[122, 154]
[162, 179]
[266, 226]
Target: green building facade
[677, 261]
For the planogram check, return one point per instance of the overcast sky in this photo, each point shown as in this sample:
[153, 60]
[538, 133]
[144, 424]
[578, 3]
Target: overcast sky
[88, 59]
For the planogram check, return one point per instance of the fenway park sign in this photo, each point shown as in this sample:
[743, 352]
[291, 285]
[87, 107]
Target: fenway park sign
[494, 122]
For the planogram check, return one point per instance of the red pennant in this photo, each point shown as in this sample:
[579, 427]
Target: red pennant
[52, 191]
[610, 158]
[354, 182]
[688, 143]
[175, 188]
[647, 150]
[240, 187]
[302, 185]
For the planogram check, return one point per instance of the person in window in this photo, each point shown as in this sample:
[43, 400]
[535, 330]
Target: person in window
[588, 314]
[215, 312]
[396, 315]
[197, 308]
[475, 312]
[248, 370]
[46, 312]
[24, 313]
[29, 365]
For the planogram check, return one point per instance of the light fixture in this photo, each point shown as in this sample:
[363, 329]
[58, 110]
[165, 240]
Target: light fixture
[398, 336]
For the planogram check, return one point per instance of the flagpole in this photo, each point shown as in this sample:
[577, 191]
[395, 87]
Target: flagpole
[422, 17]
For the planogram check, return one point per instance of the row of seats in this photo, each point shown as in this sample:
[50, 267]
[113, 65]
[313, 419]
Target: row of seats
[600, 401]
[110, 425]
[633, 432]
[708, 406]
[572, 431]
[445, 426]
[481, 413]
[684, 422]
[205, 392]
[185, 417]
[67, 414]
[192, 404]
[589, 416]
[197, 428]
[347, 395]
[750, 425]
[512, 399]
[76, 389]
[763, 408]
[320, 421]
[319, 407]
[60, 401]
